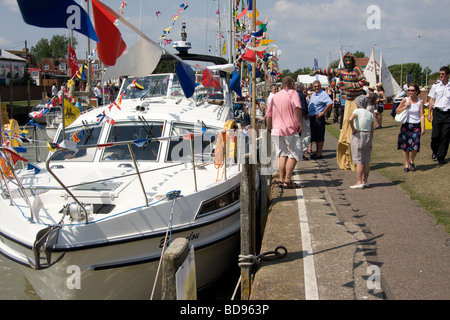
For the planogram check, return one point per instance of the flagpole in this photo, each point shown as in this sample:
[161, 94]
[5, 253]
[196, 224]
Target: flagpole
[88, 84]
[63, 116]
[375, 65]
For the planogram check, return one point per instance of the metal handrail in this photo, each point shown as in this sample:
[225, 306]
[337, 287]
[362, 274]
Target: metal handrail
[120, 143]
[21, 188]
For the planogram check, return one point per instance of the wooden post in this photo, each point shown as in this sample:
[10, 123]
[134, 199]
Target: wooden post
[173, 258]
[265, 168]
[246, 227]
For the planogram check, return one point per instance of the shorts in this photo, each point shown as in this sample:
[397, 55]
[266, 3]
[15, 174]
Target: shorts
[289, 146]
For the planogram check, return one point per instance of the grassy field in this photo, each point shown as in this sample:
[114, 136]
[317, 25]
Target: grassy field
[429, 185]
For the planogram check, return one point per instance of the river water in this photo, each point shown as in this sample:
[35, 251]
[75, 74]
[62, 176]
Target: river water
[14, 286]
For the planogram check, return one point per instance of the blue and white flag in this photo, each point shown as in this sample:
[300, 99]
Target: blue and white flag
[57, 14]
[316, 67]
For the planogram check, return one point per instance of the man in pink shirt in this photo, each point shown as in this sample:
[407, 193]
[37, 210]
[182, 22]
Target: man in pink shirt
[284, 121]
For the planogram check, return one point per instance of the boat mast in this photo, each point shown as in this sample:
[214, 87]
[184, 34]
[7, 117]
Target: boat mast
[88, 81]
[218, 40]
[231, 33]
[375, 66]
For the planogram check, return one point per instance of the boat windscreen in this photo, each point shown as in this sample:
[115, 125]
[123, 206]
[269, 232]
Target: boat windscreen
[134, 132]
[145, 87]
[84, 137]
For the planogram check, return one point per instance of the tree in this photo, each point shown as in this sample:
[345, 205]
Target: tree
[41, 50]
[56, 48]
[418, 74]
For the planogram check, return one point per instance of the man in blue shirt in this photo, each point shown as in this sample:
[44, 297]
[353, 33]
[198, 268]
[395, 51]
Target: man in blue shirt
[319, 105]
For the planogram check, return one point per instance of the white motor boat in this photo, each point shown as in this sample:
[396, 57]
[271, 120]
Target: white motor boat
[93, 222]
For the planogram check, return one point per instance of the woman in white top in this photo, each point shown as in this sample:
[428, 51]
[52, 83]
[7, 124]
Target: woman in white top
[412, 129]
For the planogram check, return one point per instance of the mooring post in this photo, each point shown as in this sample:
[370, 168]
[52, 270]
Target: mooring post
[246, 228]
[173, 258]
[265, 176]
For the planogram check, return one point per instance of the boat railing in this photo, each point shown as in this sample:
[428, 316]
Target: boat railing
[11, 174]
[7, 172]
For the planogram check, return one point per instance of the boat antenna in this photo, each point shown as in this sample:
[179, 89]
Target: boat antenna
[182, 46]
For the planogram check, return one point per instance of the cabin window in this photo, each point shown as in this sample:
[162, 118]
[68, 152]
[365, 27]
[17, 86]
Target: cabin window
[219, 203]
[180, 147]
[134, 132]
[87, 136]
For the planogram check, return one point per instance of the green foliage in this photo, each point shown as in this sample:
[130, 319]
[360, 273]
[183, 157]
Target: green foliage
[57, 47]
[414, 69]
[294, 75]
[41, 50]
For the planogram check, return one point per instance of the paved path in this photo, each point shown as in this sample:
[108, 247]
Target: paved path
[369, 244]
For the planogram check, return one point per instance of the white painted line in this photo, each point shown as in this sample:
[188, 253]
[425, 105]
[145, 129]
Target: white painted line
[311, 289]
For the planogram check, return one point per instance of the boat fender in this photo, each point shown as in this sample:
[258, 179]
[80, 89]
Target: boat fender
[230, 127]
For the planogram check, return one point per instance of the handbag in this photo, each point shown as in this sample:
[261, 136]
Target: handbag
[402, 116]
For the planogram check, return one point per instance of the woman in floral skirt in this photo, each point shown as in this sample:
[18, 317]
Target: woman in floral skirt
[412, 129]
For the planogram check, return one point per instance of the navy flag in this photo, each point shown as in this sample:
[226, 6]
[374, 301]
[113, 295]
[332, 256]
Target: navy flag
[57, 14]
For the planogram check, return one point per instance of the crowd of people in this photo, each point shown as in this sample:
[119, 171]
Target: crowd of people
[297, 114]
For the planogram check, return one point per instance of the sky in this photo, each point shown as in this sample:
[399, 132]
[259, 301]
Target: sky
[403, 30]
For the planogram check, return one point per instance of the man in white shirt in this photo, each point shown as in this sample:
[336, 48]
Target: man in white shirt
[439, 112]
[98, 94]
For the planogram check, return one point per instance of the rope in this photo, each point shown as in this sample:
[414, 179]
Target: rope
[172, 195]
[219, 155]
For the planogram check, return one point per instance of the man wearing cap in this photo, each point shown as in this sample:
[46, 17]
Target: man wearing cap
[352, 82]
[439, 112]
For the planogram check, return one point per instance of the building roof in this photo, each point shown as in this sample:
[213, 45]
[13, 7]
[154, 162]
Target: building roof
[5, 55]
[362, 62]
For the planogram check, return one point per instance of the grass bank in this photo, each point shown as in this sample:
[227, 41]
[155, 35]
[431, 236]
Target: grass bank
[429, 185]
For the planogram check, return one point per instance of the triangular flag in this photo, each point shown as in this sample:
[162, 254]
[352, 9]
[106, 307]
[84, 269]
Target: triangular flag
[110, 45]
[20, 149]
[33, 167]
[235, 83]
[139, 61]
[209, 81]
[15, 157]
[186, 76]
[243, 13]
[249, 55]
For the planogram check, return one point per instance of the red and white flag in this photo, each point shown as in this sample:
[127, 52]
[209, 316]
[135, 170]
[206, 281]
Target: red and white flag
[73, 62]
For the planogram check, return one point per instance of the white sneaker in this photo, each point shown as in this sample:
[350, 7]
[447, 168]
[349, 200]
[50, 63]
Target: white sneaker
[366, 185]
[357, 186]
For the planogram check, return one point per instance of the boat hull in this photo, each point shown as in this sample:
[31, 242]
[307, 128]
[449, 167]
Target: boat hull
[93, 274]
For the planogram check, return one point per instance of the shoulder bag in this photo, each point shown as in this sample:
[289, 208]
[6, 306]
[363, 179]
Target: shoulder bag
[402, 116]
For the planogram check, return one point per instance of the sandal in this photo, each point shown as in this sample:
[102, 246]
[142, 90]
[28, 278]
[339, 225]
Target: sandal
[279, 183]
[291, 185]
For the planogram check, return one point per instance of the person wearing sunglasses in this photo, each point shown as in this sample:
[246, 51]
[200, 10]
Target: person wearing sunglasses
[412, 129]
[318, 107]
